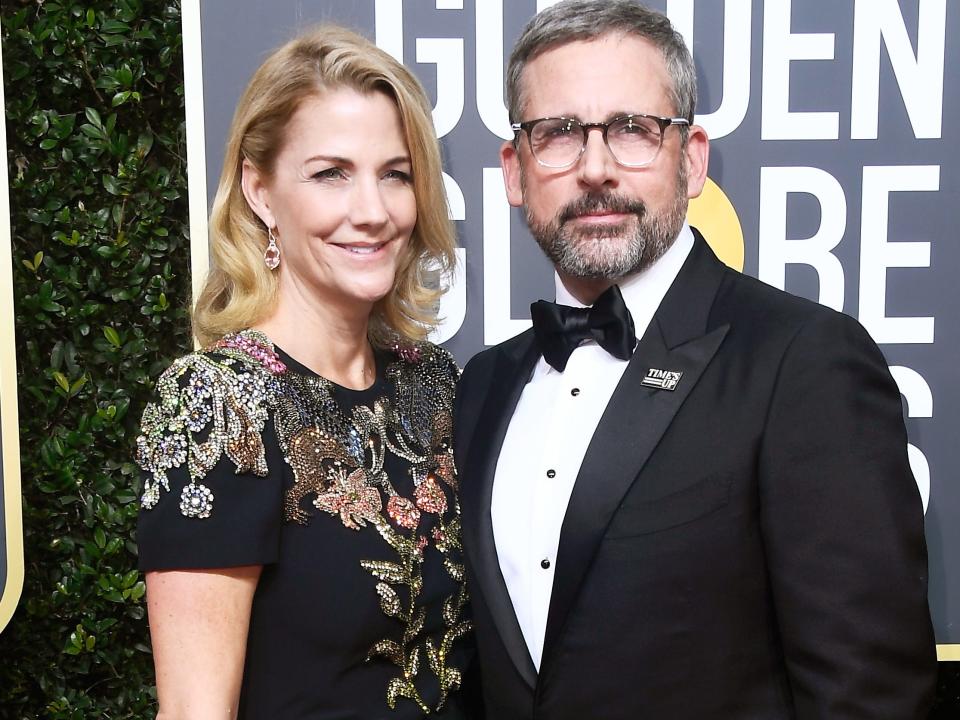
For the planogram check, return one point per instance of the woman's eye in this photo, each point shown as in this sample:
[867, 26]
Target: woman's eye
[333, 173]
[400, 175]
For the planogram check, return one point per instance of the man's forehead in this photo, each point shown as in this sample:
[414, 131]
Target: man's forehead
[597, 79]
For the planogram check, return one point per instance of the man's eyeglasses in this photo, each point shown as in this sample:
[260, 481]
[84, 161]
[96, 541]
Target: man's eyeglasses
[633, 140]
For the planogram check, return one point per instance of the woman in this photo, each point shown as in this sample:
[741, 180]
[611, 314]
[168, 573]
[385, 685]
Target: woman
[300, 528]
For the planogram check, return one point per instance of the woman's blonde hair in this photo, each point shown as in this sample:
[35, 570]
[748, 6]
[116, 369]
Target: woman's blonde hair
[239, 290]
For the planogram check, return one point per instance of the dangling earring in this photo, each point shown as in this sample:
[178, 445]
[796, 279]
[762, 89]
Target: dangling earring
[271, 256]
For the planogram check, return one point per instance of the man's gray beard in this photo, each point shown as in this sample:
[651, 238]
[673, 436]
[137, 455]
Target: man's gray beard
[610, 252]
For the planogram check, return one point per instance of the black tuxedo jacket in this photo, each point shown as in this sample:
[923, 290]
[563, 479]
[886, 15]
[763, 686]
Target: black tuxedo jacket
[747, 545]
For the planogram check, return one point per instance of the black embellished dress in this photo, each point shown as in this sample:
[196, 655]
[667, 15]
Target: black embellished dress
[348, 500]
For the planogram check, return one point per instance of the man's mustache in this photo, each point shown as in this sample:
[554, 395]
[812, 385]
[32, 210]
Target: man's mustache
[602, 202]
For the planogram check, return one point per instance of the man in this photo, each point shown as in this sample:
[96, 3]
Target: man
[713, 518]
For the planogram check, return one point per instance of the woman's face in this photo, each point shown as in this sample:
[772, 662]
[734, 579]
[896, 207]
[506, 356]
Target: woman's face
[340, 199]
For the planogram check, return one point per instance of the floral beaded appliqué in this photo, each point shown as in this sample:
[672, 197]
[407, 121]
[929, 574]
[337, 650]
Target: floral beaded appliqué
[223, 394]
[216, 402]
[338, 465]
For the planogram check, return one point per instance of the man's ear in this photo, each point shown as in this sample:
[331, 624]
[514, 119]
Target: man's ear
[256, 192]
[510, 165]
[696, 155]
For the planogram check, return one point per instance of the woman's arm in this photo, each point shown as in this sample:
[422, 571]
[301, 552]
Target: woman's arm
[198, 625]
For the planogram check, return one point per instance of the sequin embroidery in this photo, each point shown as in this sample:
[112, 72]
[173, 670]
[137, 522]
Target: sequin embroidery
[216, 402]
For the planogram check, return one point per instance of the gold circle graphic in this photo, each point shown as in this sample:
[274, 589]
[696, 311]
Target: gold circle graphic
[713, 215]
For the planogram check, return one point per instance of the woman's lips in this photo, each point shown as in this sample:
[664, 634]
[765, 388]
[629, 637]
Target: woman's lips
[361, 249]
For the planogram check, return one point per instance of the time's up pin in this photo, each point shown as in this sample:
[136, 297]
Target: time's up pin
[662, 379]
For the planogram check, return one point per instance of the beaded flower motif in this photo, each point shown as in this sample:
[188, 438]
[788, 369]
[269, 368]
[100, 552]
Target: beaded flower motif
[211, 403]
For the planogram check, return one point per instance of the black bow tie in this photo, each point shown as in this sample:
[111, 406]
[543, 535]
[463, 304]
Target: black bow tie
[559, 329]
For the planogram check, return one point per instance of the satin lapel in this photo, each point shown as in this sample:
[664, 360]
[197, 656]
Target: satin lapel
[509, 377]
[632, 425]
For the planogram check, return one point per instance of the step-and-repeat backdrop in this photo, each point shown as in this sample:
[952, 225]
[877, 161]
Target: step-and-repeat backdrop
[833, 174]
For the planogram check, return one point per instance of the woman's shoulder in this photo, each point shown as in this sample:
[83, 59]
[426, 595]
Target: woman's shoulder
[233, 366]
[426, 359]
[207, 404]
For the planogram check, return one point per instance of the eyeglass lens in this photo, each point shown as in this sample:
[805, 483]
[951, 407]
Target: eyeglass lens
[557, 142]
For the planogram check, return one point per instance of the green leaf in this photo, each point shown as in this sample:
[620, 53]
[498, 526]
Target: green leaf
[113, 546]
[76, 385]
[100, 538]
[92, 131]
[93, 117]
[114, 26]
[112, 336]
[125, 75]
[61, 380]
[56, 355]
[42, 217]
[144, 143]
[110, 184]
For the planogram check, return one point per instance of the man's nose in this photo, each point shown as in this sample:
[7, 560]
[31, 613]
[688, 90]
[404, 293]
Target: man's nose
[597, 166]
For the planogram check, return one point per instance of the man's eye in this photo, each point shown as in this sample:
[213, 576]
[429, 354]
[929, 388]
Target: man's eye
[633, 128]
[559, 131]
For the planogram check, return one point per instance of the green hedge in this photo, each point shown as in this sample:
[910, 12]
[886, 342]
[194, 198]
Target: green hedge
[96, 155]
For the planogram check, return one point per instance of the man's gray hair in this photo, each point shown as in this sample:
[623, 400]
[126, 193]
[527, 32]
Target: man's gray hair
[573, 20]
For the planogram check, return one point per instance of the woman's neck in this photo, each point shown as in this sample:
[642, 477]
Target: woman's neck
[332, 344]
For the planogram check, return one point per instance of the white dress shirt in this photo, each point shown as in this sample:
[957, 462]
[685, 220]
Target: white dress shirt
[544, 446]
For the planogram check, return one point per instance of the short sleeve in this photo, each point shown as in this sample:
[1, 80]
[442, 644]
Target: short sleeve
[211, 468]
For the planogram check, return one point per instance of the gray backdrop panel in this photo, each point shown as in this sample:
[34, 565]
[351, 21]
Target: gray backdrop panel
[237, 33]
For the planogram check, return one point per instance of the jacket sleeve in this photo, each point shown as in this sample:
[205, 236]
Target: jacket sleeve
[843, 531]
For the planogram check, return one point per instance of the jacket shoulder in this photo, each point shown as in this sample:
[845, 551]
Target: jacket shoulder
[773, 313]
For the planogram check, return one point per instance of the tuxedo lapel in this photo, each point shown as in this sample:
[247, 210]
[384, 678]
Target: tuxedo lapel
[513, 368]
[633, 423]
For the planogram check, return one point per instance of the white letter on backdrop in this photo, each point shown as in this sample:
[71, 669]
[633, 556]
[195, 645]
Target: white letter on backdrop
[453, 302]
[497, 323]
[447, 55]
[388, 26]
[735, 93]
[919, 78]
[490, 68]
[876, 254]
[777, 251]
[780, 46]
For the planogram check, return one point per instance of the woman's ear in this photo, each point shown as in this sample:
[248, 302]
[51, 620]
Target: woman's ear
[255, 190]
